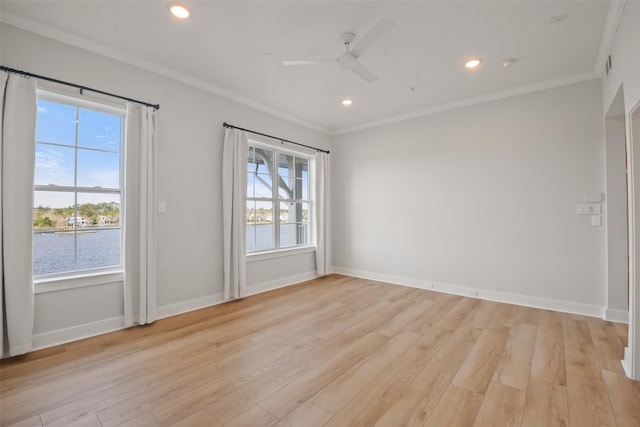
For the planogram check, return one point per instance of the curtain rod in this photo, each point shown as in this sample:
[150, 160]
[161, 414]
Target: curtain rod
[49, 79]
[227, 125]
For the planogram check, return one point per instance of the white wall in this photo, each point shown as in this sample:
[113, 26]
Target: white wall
[482, 197]
[625, 73]
[189, 181]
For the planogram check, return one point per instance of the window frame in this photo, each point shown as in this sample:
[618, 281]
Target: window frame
[276, 250]
[100, 275]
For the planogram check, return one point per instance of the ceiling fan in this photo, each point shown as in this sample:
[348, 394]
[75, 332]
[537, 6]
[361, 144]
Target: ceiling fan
[349, 59]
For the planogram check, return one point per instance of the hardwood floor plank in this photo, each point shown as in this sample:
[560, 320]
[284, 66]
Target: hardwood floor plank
[308, 415]
[363, 411]
[381, 317]
[579, 350]
[502, 406]
[624, 395]
[527, 315]
[335, 395]
[192, 392]
[588, 402]
[222, 381]
[145, 420]
[545, 405]
[307, 385]
[476, 371]
[80, 420]
[482, 313]
[198, 419]
[548, 363]
[232, 404]
[28, 422]
[443, 304]
[254, 417]
[410, 409]
[436, 376]
[608, 345]
[392, 381]
[515, 364]
[549, 318]
[457, 408]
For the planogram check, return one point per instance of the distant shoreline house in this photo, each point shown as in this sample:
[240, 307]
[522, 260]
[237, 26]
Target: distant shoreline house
[80, 221]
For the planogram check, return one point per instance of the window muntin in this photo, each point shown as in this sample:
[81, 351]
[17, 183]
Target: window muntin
[78, 182]
[278, 217]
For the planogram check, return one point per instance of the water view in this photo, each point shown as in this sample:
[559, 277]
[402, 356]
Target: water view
[54, 252]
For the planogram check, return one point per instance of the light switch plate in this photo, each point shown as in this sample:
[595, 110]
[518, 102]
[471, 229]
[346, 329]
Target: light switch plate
[588, 209]
[162, 207]
[592, 197]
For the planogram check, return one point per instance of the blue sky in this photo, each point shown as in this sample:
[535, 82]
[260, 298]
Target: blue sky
[55, 165]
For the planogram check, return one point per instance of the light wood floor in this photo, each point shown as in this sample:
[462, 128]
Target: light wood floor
[336, 351]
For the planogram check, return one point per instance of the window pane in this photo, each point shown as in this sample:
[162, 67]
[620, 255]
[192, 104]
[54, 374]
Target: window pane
[286, 188]
[263, 161]
[98, 230]
[285, 165]
[294, 212]
[98, 169]
[99, 210]
[294, 234]
[54, 165]
[98, 248]
[302, 167]
[56, 123]
[53, 244]
[263, 184]
[259, 225]
[98, 130]
[250, 184]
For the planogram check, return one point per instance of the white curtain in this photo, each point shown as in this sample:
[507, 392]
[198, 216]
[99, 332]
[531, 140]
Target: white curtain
[140, 217]
[17, 156]
[234, 195]
[322, 221]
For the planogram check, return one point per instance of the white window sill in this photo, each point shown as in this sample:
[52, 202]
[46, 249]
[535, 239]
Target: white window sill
[76, 281]
[261, 256]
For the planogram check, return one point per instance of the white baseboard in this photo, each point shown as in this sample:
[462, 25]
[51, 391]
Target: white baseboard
[505, 297]
[189, 305]
[280, 283]
[75, 333]
[626, 362]
[210, 300]
[618, 316]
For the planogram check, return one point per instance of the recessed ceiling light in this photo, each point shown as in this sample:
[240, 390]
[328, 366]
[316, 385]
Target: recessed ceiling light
[347, 102]
[472, 63]
[180, 11]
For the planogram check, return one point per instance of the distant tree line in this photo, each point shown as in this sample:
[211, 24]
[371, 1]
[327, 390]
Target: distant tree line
[46, 217]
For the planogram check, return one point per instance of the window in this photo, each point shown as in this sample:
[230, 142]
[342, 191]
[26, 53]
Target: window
[277, 215]
[78, 184]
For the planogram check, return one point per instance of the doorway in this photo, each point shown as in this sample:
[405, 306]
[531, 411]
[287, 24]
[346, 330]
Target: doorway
[617, 218]
[631, 360]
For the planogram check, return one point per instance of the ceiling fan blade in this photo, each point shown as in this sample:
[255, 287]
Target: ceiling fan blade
[305, 61]
[372, 36]
[363, 72]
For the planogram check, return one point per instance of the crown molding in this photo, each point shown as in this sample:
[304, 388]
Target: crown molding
[83, 43]
[536, 87]
[608, 34]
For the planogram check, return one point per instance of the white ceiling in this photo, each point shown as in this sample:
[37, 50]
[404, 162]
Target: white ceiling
[236, 48]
